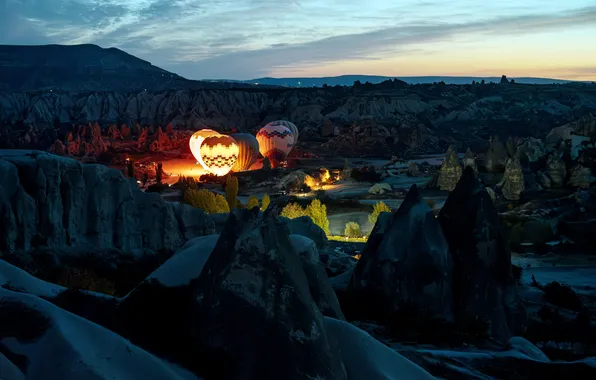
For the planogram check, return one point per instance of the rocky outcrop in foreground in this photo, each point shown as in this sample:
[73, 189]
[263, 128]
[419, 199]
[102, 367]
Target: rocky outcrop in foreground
[407, 264]
[59, 203]
[484, 288]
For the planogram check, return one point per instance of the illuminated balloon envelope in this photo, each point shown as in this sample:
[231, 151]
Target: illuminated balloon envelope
[196, 140]
[219, 154]
[275, 142]
[248, 151]
[291, 126]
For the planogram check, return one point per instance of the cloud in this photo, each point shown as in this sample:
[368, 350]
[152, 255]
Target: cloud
[376, 44]
[241, 39]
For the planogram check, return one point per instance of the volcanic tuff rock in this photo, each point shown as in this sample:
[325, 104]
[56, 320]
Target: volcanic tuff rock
[512, 184]
[47, 200]
[556, 168]
[470, 160]
[496, 156]
[410, 265]
[253, 289]
[420, 117]
[581, 177]
[450, 171]
[530, 149]
[484, 288]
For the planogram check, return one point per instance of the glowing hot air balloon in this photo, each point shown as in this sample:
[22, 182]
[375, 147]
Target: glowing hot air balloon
[275, 142]
[248, 151]
[291, 126]
[196, 140]
[219, 154]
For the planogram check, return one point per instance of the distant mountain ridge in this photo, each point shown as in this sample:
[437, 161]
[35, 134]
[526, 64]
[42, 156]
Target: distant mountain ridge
[348, 80]
[85, 68]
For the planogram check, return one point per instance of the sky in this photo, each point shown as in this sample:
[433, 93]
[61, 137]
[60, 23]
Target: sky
[246, 39]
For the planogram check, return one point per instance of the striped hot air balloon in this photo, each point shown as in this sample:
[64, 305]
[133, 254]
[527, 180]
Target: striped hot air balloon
[291, 126]
[248, 151]
[275, 142]
[196, 140]
[219, 154]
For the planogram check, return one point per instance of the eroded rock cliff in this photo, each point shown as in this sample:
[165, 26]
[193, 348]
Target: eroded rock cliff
[57, 202]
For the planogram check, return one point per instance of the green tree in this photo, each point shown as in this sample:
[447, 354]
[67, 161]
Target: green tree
[130, 168]
[232, 191]
[352, 230]
[378, 208]
[293, 210]
[159, 173]
[265, 202]
[318, 213]
[221, 204]
[252, 202]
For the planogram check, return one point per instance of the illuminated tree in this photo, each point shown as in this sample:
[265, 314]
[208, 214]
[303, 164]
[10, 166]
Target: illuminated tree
[232, 191]
[265, 202]
[318, 213]
[203, 199]
[352, 230]
[378, 208]
[221, 204]
[252, 202]
[293, 210]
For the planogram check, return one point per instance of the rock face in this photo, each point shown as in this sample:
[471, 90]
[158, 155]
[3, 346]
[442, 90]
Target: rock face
[57, 202]
[253, 289]
[496, 156]
[408, 264]
[581, 177]
[513, 183]
[484, 287]
[531, 149]
[304, 226]
[450, 171]
[556, 168]
[470, 160]
[31, 325]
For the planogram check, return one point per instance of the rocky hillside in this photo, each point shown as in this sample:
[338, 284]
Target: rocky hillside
[420, 117]
[85, 68]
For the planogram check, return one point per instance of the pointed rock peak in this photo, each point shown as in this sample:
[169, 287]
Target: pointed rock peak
[469, 154]
[412, 199]
[468, 183]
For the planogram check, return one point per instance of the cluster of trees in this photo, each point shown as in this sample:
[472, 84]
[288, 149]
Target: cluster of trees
[316, 210]
[213, 203]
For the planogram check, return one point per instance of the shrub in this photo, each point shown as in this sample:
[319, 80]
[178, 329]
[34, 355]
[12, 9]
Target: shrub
[156, 188]
[265, 202]
[186, 183]
[352, 230]
[562, 295]
[232, 191]
[378, 208]
[318, 213]
[252, 202]
[292, 210]
[86, 280]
